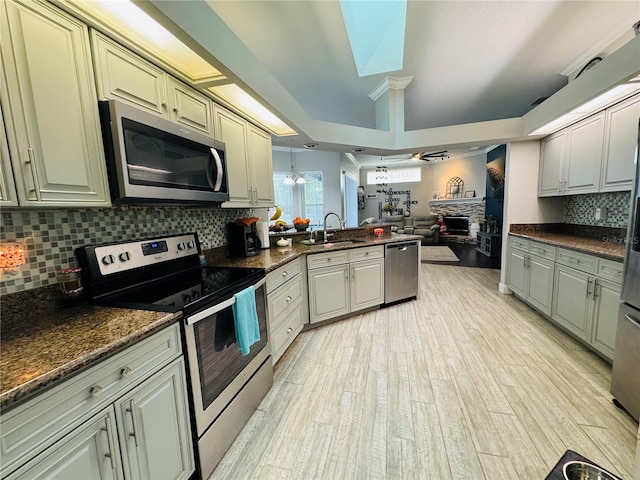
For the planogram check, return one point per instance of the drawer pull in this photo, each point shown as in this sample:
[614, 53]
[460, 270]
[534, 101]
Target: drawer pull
[95, 391]
[284, 274]
[289, 330]
[288, 298]
[126, 372]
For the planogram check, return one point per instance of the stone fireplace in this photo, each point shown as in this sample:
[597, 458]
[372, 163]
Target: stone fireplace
[456, 225]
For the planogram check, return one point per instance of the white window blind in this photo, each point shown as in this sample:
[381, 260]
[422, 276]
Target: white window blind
[394, 175]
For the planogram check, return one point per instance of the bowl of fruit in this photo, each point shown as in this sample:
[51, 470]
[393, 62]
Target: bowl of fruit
[301, 224]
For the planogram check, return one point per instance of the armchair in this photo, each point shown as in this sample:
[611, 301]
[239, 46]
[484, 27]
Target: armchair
[396, 222]
[427, 226]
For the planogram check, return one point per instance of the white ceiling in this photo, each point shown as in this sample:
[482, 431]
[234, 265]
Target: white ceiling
[471, 61]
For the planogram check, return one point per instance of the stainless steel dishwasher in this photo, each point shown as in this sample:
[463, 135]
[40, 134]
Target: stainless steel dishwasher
[400, 271]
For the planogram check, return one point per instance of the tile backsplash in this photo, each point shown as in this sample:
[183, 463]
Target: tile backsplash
[51, 236]
[580, 209]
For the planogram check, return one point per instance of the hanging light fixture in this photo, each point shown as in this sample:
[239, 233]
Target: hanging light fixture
[293, 178]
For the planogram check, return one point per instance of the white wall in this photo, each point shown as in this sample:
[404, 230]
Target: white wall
[313, 160]
[521, 202]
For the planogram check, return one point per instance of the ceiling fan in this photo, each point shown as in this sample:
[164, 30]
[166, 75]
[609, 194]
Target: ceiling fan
[424, 156]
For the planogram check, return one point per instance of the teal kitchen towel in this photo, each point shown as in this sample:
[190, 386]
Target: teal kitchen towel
[245, 318]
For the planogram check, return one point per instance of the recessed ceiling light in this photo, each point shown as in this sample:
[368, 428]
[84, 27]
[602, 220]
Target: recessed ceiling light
[310, 145]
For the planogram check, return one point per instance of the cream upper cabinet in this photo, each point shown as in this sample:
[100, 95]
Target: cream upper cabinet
[7, 186]
[551, 161]
[50, 107]
[596, 154]
[584, 155]
[123, 75]
[621, 141]
[249, 164]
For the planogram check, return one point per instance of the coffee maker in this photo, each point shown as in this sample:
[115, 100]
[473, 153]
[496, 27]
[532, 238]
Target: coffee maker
[243, 240]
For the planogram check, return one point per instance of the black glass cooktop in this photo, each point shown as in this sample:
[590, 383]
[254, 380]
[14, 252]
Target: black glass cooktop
[189, 291]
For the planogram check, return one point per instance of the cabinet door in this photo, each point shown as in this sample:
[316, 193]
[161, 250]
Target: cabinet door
[584, 159]
[122, 75]
[189, 107]
[621, 140]
[367, 284]
[328, 292]
[517, 280]
[90, 451]
[7, 186]
[606, 298]
[571, 300]
[51, 110]
[232, 130]
[154, 429]
[540, 271]
[551, 157]
[259, 153]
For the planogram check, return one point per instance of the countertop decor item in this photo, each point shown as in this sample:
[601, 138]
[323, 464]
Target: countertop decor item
[282, 242]
[11, 255]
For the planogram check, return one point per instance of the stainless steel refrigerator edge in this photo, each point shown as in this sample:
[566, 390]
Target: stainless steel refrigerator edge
[625, 374]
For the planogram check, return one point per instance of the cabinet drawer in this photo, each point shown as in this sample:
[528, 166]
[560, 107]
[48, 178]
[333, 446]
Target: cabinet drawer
[366, 253]
[287, 295]
[580, 261]
[519, 242]
[610, 270]
[282, 274]
[286, 331]
[328, 259]
[542, 250]
[36, 424]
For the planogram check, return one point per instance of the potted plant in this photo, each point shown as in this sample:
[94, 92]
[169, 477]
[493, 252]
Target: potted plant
[389, 208]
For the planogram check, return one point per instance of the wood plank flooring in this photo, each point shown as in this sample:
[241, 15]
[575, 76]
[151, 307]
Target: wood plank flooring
[464, 383]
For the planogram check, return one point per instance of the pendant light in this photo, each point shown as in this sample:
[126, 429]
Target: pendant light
[293, 178]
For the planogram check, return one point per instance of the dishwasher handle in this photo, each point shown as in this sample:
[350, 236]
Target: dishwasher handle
[400, 246]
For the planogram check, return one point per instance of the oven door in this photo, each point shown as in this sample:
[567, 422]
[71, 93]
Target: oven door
[217, 368]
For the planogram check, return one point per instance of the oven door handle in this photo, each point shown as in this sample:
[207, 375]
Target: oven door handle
[218, 307]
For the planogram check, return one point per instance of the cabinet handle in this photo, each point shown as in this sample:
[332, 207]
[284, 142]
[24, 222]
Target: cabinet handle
[109, 454]
[95, 391]
[559, 185]
[288, 298]
[289, 330]
[597, 288]
[589, 280]
[176, 110]
[34, 173]
[164, 105]
[133, 423]
[126, 372]
[284, 274]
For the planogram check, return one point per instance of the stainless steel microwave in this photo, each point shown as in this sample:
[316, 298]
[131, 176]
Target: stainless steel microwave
[151, 160]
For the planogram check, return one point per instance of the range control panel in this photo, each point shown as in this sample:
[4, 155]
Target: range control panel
[127, 256]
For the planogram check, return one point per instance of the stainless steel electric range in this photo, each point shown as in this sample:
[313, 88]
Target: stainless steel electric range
[165, 274]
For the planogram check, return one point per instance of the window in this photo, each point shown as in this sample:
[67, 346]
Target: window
[394, 175]
[306, 200]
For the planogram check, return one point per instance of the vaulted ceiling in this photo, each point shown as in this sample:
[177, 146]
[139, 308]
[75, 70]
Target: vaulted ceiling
[471, 61]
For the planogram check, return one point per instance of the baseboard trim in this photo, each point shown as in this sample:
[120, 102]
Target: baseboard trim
[504, 289]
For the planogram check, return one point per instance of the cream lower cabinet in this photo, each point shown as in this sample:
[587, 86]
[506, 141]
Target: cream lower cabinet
[286, 305]
[125, 418]
[531, 276]
[50, 107]
[586, 298]
[345, 281]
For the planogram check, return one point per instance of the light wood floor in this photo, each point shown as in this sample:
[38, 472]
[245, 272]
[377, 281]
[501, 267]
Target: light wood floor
[464, 383]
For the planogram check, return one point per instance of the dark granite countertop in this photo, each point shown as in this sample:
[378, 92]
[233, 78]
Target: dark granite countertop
[273, 258]
[600, 241]
[44, 342]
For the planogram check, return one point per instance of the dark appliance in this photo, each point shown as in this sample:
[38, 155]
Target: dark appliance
[625, 373]
[243, 240]
[151, 160]
[164, 274]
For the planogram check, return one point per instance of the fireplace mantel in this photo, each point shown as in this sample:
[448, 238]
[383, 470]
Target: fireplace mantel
[448, 201]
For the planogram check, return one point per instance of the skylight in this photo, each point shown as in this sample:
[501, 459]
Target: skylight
[376, 34]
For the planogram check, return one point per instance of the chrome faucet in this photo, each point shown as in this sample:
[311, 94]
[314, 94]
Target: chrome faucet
[324, 231]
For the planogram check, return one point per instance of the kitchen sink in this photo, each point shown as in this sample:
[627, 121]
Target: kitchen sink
[577, 470]
[338, 243]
